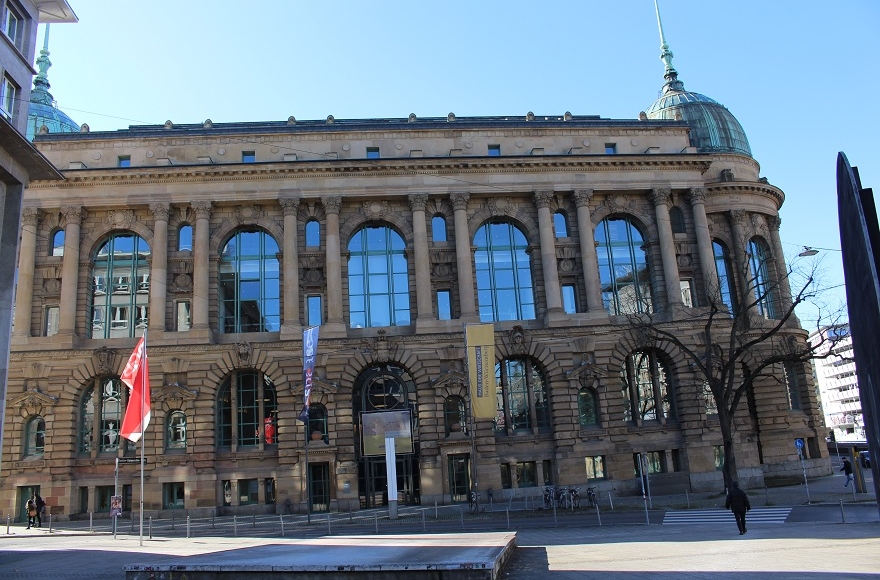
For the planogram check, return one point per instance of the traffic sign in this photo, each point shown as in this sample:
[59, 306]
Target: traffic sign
[130, 460]
[799, 443]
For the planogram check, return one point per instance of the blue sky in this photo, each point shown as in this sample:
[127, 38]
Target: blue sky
[801, 76]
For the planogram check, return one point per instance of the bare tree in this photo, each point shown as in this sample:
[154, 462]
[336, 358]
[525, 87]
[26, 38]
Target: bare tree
[755, 338]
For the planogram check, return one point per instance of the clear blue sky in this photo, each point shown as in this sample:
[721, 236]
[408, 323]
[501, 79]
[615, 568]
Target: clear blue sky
[801, 76]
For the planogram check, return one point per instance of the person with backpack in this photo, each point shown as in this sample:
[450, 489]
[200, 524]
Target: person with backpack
[31, 508]
[847, 471]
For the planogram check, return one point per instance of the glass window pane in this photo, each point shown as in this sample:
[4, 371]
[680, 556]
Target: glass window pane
[184, 238]
[444, 305]
[438, 229]
[313, 234]
[559, 225]
[569, 299]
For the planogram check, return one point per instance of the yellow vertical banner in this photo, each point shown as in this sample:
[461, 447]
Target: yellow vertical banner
[480, 341]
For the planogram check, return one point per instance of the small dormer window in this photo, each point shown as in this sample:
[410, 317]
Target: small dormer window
[372, 153]
[248, 157]
[610, 148]
[123, 161]
[494, 150]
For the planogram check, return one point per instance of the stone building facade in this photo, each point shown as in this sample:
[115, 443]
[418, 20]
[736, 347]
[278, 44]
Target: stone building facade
[224, 241]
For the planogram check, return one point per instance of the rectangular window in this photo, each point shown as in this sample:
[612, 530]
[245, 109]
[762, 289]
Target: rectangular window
[676, 460]
[269, 488]
[547, 466]
[248, 157]
[494, 150]
[83, 500]
[315, 311]
[8, 97]
[103, 493]
[182, 318]
[13, 26]
[687, 292]
[51, 325]
[123, 161]
[119, 318]
[595, 467]
[505, 476]
[569, 298]
[172, 495]
[610, 148]
[444, 305]
[373, 153]
[526, 474]
[247, 492]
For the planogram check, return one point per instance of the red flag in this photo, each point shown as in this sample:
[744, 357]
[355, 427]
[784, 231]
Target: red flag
[137, 376]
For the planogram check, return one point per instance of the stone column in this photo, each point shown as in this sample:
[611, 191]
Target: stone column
[424, 304]
[589, 260]
[697, 197]
[201, 265]
[159, 267]
[553, 294]
[70, 270]
[660, 198]
[741, 268]
[774, 221]
[463, 258]
[24, 294]
[332, 205]
[290, 266]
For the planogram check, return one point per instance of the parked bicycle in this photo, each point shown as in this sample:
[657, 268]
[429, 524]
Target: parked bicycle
[574, 497]
[591, 497]
[549, 496]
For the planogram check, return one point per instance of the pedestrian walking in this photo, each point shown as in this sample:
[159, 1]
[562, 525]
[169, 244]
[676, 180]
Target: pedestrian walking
[31, 508]
[847, 470]
[41, 508]
[738, 503]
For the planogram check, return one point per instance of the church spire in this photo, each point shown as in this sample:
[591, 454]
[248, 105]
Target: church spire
[40, 92]
[670, 74]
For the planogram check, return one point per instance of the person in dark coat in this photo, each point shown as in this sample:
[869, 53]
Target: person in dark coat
[738, 503]
[41, 508]
[847, 471]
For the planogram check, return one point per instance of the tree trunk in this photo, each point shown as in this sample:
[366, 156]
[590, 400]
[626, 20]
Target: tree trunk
[725, 421]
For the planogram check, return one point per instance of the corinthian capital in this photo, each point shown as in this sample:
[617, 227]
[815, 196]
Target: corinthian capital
[73, 215]
[583, 197]
[738, 216]
[289, 205]
[332, 204]
[459, 199]
[161, 211]
[774, 221]
[697, 195]
[418, 201]
[543, 198]
[202, 209]
[660, 195]
[30, 216]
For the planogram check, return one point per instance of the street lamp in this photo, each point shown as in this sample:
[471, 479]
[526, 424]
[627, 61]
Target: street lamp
[808, 251]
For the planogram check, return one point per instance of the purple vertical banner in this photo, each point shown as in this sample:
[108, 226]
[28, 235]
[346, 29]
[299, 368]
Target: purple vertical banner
[310, 349]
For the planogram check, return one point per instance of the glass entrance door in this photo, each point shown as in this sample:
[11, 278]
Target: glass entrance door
[319, 483]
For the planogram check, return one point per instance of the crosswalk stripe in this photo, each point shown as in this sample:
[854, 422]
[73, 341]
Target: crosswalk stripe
[757, 516]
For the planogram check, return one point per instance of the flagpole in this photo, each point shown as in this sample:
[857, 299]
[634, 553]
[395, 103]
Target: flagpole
[143, 434]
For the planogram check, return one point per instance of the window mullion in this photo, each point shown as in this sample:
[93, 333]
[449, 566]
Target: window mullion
[233, 403]
[261, 423]
[95, 443]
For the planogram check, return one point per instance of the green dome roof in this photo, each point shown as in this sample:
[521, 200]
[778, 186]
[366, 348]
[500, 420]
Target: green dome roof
[42, 109]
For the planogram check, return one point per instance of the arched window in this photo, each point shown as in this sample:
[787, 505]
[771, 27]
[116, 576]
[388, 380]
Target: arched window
[250, 283]
[792, 386]
[676, 220]
[588, 407]
[121, 287]
[438, 228]
[101, 409]
[521, 400]
[58, 243]
[454, 416]
[245, 404]
[378, 278]
[175, 431]
[623, 267]
[560, 226]
[645, 388]
[724, 270]
[185, 238]
[34, 437]
[318, 423]
[760, 282]
[504, 273]
[313, 234]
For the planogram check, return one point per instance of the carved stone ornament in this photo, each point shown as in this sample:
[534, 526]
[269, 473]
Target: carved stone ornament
[331, 204]
[33, 402]
[161, 211]
[73, 215]
[105, 359]
[517, 340]
[697, 195]
[202, 209]
[175, 393]
[248, 213]
[500, 206]
[418, 201]
[383, 346]
[454, 381]
[30, 216]
[617, 203]
[660, 196]
[289, 205]
[375, 209]
[738, 216]
[52, 286]
[183, 283]
[120, 218]
[583, 197]
[543, 198]
[244, 351]
[459, 200]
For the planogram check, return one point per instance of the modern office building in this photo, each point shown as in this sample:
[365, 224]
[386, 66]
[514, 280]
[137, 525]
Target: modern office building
[839, 386]
[20, 162]
[223, 241]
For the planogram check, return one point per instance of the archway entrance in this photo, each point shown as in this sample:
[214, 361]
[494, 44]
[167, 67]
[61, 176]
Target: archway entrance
[386, 388]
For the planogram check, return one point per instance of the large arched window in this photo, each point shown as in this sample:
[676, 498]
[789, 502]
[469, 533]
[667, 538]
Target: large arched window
[175, 431]
[760, 282]
[250, 283]
[645, 388]
[504, 273]
[313, 234]
[588, 407]
[454, 416]
[378, 278]
[676, 220]
[623, 267]
[58, 243]
[34, 437]
[246, 403]
[521, 399]
[724, 270]
[120, 287]
[101, 411]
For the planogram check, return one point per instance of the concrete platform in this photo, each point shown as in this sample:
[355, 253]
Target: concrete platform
[423, 557]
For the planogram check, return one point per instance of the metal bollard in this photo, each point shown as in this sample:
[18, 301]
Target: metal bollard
[7, 525]
[235, 526]
[50, 523]
[281, 517]
[212, 520]
[329, 531]
[688, 498]
[90, 521]
[842, 515]
[555, 521]
[766, 496]
[598, 515]
[254, 513]
[187, 526]
[172, 521]
[377, 523]
[436, 516]
[610, 501]
[151, 527]
[424, 528]
[131, 528]
[350, 518]
[461, 514]
[647, 518]
[508, 517]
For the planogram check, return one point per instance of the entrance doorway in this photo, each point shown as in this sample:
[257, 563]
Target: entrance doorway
[25, 493]
[319, 484]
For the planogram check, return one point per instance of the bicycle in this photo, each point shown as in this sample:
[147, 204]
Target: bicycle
[591, 497]
[472, 502]
[549, 494]
[574, 495]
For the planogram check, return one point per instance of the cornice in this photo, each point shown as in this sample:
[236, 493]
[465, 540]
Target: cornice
[747, 187]
[363, 168]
